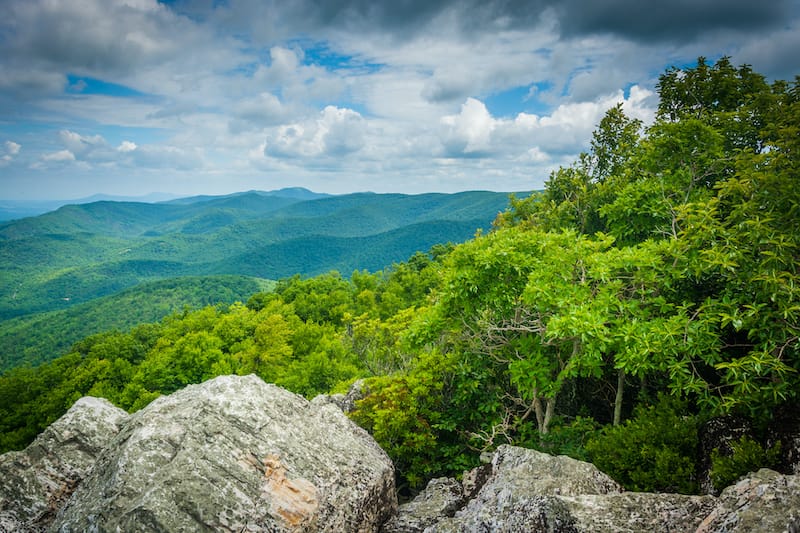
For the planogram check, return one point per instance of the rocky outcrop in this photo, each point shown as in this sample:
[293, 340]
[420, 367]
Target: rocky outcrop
[761, 501]
[530, 491]
[440, 499]
[345, 402]
[523, 491]
[235, 454]
[35, 482]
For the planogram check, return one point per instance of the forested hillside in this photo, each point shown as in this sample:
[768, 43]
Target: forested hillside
[653, 284]
[81, 252]
[34, 339]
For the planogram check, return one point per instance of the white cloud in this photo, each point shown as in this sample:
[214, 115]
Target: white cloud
[398, 96]
[335, 132]
[165, 157]
[532, 138]
[470, 130]
[126, 146]
[265, 109]
[61, 155]
[79, 144]
[12, 148]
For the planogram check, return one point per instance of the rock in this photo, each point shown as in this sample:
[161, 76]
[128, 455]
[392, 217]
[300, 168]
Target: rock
[35, 482]
[345, 402]
[440, 499]
[236, 454]
[718, 433]
[534, 492]
[522, 493]
[638, 511]
[473, 480]
[761, 501]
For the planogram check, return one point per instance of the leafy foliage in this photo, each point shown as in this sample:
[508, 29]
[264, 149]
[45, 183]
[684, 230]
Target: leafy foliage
[748, 456]
[34, 339]
[654, 451]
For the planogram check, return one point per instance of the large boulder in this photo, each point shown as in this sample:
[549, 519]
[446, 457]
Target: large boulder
[236, 454]
[761, 501]
[35, 482]
[441, 498]
[531, 491]
[522, 493]
[638, 511]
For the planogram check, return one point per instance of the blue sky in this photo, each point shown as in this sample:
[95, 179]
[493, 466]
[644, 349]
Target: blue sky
[129, 97]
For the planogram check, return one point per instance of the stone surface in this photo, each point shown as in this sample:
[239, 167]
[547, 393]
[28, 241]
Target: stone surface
[761, 501]
[440, 499]
[638, 512]
[35, 482]
[235, 454]
[473, 480]
[522, 493]
[534, 492]
[345, 402]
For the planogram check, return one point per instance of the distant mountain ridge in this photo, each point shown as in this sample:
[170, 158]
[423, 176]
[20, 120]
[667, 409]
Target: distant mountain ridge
[17, 209]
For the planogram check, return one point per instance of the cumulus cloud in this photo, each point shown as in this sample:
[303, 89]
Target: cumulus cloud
[335, 132]
[258, 112]
[469, 131]
[10, 149]
[533, 138]
[126, 146]
[165, 157]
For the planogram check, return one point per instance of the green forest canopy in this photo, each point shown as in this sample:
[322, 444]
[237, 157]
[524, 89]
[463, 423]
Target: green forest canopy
[652, 284]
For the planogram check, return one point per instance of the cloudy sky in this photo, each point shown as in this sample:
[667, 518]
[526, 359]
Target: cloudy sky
[130, 97]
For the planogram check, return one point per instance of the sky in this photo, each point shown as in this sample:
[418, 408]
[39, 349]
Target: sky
[130, 97]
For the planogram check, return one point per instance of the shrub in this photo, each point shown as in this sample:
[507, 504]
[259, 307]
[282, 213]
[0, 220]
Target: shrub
[654, 451]
[748, 456]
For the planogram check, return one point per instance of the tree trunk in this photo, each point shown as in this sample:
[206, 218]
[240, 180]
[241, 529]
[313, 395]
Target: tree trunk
[618, 398]
[537, 408]
[548, 415]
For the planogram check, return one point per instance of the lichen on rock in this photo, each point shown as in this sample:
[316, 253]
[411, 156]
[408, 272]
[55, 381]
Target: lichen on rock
[236, 454]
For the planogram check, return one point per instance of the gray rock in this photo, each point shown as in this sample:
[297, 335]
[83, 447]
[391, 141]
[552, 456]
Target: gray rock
[534, 492]
[638, 512]
[35, 482]
[522, 493]
[473, 480]
[440, 499]
[761, 501]
[345, 402]
[236, 454]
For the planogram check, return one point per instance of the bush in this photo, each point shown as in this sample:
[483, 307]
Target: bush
[748, 456]
[655, 451]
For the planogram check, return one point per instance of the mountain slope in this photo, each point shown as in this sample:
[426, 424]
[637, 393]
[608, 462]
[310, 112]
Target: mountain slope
[34, 339]
[81, 252]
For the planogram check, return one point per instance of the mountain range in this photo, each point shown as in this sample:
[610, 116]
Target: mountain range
[81, 252]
